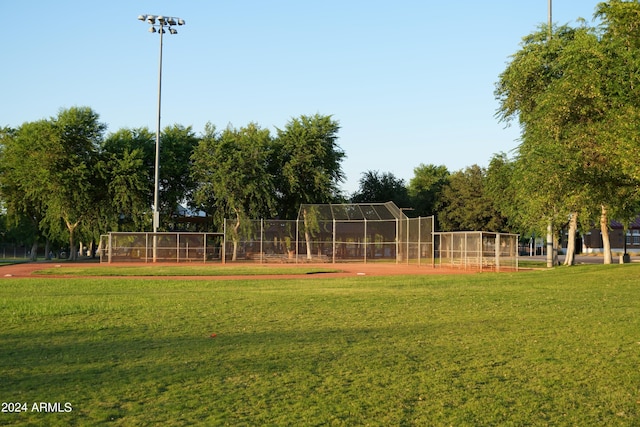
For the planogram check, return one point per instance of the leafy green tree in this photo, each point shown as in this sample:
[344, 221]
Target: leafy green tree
[575, 106]
[465, 205]
[376, 187]
[500, 188]
[540, 172]
[177, 145]
[619, 132]
[425, 188]
[307, 163]
[127, 168]
[70, 158]
[22, 180]
[231, 171]
[552, 87]
[570, 95]
[50, 174]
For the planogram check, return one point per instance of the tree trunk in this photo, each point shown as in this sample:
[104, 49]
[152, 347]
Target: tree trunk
[556, 245]
[33, 256]
[73, 253]
[569, 258]
[604, 229]
[47, 250]
[236, 229]
[234, 256]
[307, 236]
[550, 245]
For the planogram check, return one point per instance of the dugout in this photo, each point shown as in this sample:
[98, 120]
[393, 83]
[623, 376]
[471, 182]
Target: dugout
[476, 250]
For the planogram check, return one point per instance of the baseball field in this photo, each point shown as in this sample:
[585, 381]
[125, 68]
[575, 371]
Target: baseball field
[346, 345]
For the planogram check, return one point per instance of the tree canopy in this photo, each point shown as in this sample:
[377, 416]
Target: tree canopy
[426, 187]
[571, 96]
[308, 165]
[376, 187]
[465, 204]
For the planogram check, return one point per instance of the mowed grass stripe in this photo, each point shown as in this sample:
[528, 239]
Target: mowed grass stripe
[557, 347]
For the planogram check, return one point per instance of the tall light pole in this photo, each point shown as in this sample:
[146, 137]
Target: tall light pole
[158, 24]
[549, 19]
[551, 254]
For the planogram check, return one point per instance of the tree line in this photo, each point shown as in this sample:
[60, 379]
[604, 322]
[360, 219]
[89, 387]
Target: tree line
[63, 181]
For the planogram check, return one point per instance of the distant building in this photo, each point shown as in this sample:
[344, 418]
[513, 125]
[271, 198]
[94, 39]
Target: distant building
[592, 240]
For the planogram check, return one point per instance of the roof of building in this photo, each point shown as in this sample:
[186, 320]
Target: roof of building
[633, 225]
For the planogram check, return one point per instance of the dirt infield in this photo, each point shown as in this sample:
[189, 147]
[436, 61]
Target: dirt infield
[346, 270]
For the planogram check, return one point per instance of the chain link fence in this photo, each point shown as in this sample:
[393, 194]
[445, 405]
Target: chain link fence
[373, 232]
[10, 251]
[401, 240]
[160, 247]
[476, 250]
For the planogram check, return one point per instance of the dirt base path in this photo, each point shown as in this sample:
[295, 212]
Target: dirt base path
[346, 270]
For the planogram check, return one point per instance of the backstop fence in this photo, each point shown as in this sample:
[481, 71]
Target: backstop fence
[399, 240]
[408, 240]
[476, 250]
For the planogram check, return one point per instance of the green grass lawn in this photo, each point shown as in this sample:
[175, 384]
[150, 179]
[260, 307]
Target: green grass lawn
[524, 263]
[554, 347]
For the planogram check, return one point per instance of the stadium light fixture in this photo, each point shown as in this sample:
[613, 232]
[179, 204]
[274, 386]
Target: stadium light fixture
[158, 24]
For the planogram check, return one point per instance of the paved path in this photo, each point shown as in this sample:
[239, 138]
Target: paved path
[580, 259]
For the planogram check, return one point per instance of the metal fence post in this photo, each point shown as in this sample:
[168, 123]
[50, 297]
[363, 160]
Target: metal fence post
[224, 241]
[419, 239]
[433, 241]
[109, 249]
[517, 254]
[261, 239]
[497, 252]
[397, 240]
[333, 250]
[408, 239]
[465, 252]
[365, 240]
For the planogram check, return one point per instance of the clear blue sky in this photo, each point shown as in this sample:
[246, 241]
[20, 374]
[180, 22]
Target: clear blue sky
[410, 81]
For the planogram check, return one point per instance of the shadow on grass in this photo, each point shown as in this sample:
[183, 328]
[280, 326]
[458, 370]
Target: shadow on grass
[395, 374]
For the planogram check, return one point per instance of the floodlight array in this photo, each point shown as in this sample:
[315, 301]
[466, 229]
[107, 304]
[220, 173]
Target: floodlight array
[159, 22]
